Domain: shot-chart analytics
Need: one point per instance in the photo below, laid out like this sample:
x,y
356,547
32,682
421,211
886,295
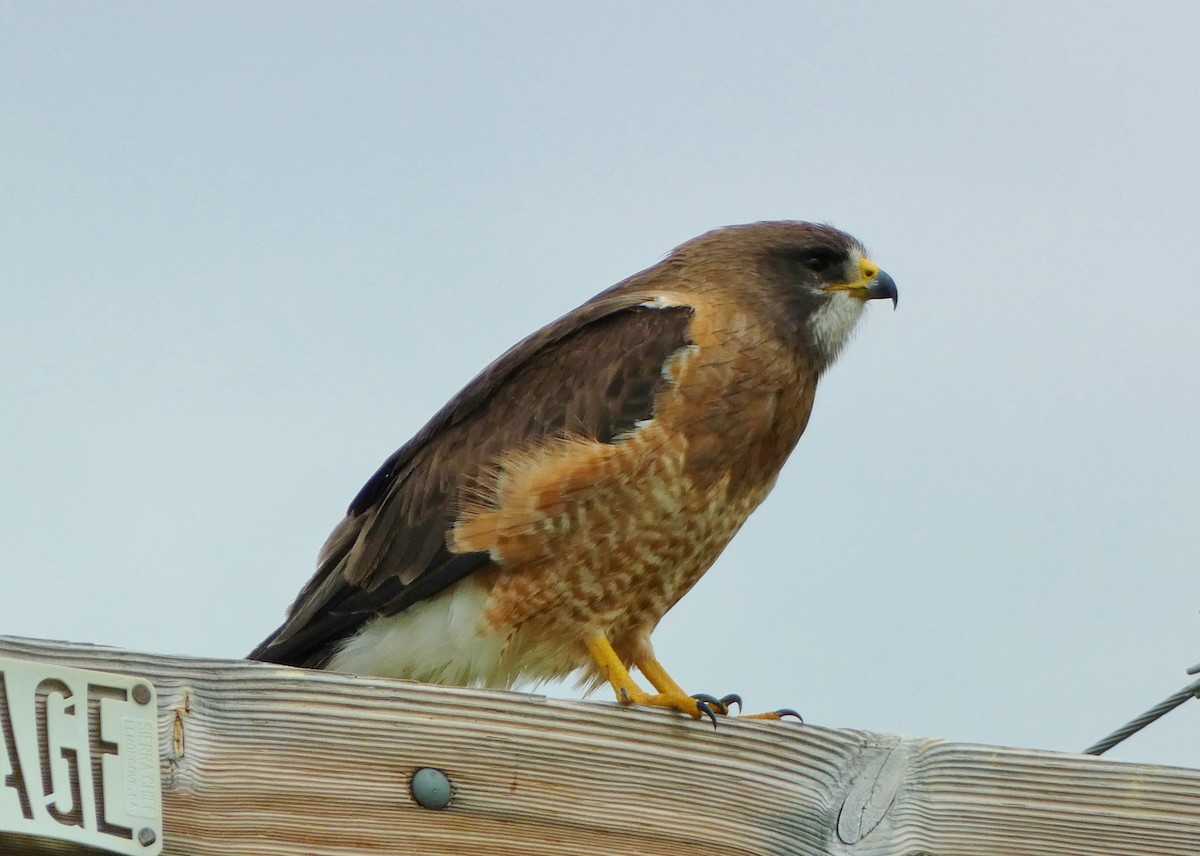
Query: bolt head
x,y
431,788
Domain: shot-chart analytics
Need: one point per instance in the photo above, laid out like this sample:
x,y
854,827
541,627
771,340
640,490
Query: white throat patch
x,y
831,323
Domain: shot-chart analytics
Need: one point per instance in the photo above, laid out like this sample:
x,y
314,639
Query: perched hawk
x,y
550,514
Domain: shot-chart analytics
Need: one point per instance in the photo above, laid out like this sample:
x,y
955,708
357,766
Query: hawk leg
x,y
670,694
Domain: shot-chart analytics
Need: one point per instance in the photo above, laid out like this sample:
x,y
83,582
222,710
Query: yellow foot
x,y
663,682
694,706
670,695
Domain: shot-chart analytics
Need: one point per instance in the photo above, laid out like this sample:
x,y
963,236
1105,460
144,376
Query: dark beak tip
x,y
885,286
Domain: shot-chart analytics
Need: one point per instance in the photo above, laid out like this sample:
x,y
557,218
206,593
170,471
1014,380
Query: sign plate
x,y
79,758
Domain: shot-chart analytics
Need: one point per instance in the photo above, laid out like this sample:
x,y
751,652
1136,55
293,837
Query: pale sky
x,y
248,249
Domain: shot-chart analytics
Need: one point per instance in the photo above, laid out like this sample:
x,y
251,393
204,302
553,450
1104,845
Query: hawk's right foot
x,y
670,694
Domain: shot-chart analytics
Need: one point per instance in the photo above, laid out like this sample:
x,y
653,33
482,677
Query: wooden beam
x,y
259,759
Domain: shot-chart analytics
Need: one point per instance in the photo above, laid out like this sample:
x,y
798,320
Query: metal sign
x,y
78,758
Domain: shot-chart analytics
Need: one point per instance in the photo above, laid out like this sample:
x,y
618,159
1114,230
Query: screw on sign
x,y
78,759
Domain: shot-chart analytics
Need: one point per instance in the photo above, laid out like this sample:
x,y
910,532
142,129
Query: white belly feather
x,y
445,640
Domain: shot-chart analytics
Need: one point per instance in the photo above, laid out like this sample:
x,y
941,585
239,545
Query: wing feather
x,y
595,373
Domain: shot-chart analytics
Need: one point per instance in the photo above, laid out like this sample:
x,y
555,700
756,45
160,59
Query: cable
x,y
1164,707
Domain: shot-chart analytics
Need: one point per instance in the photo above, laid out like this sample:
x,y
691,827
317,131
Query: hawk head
x,y
815,278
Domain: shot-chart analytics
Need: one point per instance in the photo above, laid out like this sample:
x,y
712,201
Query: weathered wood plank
x,y
258,759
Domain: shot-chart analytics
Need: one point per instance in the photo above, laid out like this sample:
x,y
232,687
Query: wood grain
x,y
261,759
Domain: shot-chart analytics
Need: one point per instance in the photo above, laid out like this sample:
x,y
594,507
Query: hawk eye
x,y
819,260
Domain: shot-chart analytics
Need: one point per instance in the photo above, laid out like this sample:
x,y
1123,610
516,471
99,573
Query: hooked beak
x,y
874,284
883,286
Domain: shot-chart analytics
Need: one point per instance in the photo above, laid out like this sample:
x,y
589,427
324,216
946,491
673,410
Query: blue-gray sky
x,y
248,249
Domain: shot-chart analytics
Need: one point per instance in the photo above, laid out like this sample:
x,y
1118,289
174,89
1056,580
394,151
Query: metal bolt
x,y
141,694
146,836
431,788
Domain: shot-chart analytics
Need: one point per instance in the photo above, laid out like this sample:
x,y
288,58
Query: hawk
x,y
544,520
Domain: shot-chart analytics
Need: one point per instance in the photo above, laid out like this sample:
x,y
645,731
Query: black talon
x,y
787,711
732,698
707,711
718,703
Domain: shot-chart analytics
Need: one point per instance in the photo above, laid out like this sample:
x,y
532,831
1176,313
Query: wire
x,y
1161,709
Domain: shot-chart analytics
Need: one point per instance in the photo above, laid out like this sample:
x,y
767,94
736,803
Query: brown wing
x,y
594,373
